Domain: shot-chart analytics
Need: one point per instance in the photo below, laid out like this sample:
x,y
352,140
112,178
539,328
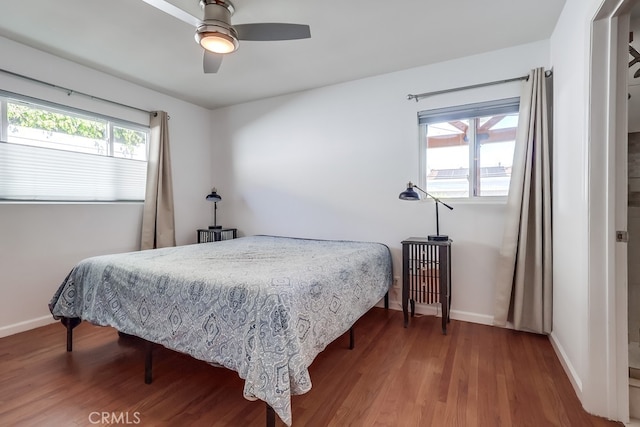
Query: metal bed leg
x,y
352,339
271,416
148,361
70,323
386,300
69,337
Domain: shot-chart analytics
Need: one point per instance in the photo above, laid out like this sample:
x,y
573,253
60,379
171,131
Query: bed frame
x,y
71,322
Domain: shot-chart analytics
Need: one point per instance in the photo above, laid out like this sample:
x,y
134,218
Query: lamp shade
x,y
213,197
409,193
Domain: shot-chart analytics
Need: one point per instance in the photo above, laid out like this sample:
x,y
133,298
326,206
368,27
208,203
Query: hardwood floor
x,y
474,376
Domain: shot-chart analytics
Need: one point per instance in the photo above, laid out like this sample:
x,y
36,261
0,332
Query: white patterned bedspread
x,y
262,306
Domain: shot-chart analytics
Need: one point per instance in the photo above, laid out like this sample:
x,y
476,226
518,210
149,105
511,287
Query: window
x,y
50,152
467,151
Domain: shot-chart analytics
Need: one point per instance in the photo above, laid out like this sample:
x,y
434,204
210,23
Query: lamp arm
x,y
433,197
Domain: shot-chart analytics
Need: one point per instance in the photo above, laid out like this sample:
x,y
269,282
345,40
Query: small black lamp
x,y
411,194
215,198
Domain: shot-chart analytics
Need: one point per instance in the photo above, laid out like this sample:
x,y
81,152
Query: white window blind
x,y
44,174
52,153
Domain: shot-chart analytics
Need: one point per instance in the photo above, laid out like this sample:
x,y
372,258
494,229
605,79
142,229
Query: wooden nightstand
x,y
206,235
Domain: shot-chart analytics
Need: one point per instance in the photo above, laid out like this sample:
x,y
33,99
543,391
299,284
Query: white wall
x,y
330,163
40,242
569,55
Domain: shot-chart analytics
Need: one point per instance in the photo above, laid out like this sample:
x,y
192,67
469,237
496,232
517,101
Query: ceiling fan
x,y
218,37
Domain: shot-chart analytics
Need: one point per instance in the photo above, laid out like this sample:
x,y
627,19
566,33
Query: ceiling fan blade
x,y
174,11
272,31
211,62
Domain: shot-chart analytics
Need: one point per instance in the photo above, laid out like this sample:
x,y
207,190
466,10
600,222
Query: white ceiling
x,y
349,40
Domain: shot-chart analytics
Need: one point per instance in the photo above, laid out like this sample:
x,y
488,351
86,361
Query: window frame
x,y
470,112
7,97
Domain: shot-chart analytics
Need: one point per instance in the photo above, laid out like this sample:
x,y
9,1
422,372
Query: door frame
x,y
606,386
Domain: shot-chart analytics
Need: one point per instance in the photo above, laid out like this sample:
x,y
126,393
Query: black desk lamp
x,y
215,198
411,194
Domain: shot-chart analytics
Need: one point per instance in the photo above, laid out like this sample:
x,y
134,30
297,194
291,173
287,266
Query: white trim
x,y
619,180
482,319
476,200
605,386
598,393
434,310
571,372
27,325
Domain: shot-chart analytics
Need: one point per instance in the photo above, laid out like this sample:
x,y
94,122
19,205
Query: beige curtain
x,y
523,286
158,227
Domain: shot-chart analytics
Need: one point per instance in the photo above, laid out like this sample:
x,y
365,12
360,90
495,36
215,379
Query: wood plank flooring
x,y
474,376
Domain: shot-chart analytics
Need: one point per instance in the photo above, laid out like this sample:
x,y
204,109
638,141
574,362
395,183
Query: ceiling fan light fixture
x,y
218,42
217,38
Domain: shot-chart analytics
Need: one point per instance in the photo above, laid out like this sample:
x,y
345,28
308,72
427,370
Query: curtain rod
x,y
419,96
73,92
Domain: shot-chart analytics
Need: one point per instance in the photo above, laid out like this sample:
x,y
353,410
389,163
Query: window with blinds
x,y
50,152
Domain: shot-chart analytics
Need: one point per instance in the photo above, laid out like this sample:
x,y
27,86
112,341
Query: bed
x,y
263,306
